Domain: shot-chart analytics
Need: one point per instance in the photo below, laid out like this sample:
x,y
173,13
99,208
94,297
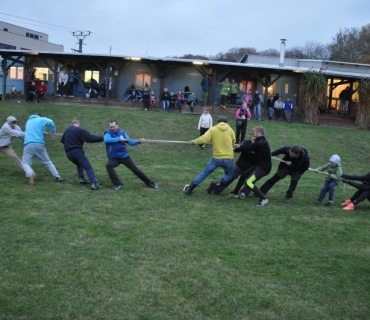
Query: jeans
x,y
257,111
287,114
343,106
77,157
31,151
165,105
271,112
329,186
212,165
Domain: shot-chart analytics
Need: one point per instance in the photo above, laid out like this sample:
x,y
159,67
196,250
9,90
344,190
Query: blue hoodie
x,y
116,149
35,128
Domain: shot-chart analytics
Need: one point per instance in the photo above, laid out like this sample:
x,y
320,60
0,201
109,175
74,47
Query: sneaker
x,y
232,195
262,203
119,187
288,199
152,185
242,195
346,203
350,207
329,203
188,189
317,203
83,181
31,181
58,178
95,186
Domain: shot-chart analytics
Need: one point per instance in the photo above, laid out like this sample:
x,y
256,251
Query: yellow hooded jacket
x,y
222,137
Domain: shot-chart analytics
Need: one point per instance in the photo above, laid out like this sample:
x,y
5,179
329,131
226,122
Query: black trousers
x,y
281,173
128,163
240,132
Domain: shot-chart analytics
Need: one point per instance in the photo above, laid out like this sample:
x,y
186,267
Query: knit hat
x,y
11,119
335,158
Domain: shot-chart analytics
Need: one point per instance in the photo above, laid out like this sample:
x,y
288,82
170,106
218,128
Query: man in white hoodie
x,y
8,131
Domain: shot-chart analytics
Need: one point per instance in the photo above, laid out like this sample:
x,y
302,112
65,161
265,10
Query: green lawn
x,y
67,252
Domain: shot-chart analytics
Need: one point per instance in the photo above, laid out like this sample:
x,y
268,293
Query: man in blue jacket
x,y
73,140
34,146
115,142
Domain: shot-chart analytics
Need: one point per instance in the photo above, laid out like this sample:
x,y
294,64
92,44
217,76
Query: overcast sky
x,y
176,27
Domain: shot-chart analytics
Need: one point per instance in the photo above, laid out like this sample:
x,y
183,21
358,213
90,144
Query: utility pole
x,y
80,35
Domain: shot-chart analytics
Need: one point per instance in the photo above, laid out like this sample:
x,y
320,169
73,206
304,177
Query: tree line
x,y
348,45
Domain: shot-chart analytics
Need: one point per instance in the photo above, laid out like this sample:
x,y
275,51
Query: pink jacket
x,y
247,113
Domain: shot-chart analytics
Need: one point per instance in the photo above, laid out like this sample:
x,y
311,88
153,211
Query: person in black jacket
x,y
73,139
295,162
262,168
246,160
361,194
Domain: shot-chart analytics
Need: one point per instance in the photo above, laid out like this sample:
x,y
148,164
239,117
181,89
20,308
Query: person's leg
x,y
331,188
41,154
243,131
364,194
12,155
259,112
237,134
323,191
27,160
222,186
208,169
228,166
164,106
129,164
295,177
111,164
84,164
271,182
255,112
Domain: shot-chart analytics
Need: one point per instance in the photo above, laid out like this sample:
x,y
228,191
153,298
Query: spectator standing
x,y
288,108
257,105
115,143
165,98
206,87
223,139
225,90
278,106
146,98
76,81
270,107
63,80
242,116
333,171
247,98
41,90
73,139
8,132
205,122
234,89
153,101
344,97
34,146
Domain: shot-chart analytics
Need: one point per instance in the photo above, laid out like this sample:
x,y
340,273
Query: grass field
x,y
67,252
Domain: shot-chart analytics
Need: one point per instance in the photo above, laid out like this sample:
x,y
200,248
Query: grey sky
x,y
177,27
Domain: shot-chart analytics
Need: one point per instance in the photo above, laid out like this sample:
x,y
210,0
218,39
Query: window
x,y
16,73
6,46
27,34
36,37
91,74
142,79
6,29
42,74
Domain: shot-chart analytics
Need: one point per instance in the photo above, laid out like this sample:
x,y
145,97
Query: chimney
x,y
282,52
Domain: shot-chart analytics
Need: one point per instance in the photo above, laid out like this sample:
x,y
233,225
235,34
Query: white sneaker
x,y
186,187
233,196
262,202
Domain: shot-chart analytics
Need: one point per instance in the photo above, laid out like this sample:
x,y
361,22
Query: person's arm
x,y
283,150
200,121
17,132
207,137
90,138
237,114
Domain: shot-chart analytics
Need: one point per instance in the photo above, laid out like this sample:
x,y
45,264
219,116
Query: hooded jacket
x,y
116,149
7,133
222,138
35,129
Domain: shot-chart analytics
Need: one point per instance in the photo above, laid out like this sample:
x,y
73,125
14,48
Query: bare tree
x,y
364,39
234,54
295,52
345,46
316,50
269,52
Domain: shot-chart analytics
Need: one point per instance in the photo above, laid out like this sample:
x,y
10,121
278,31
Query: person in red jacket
x,y
40,91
